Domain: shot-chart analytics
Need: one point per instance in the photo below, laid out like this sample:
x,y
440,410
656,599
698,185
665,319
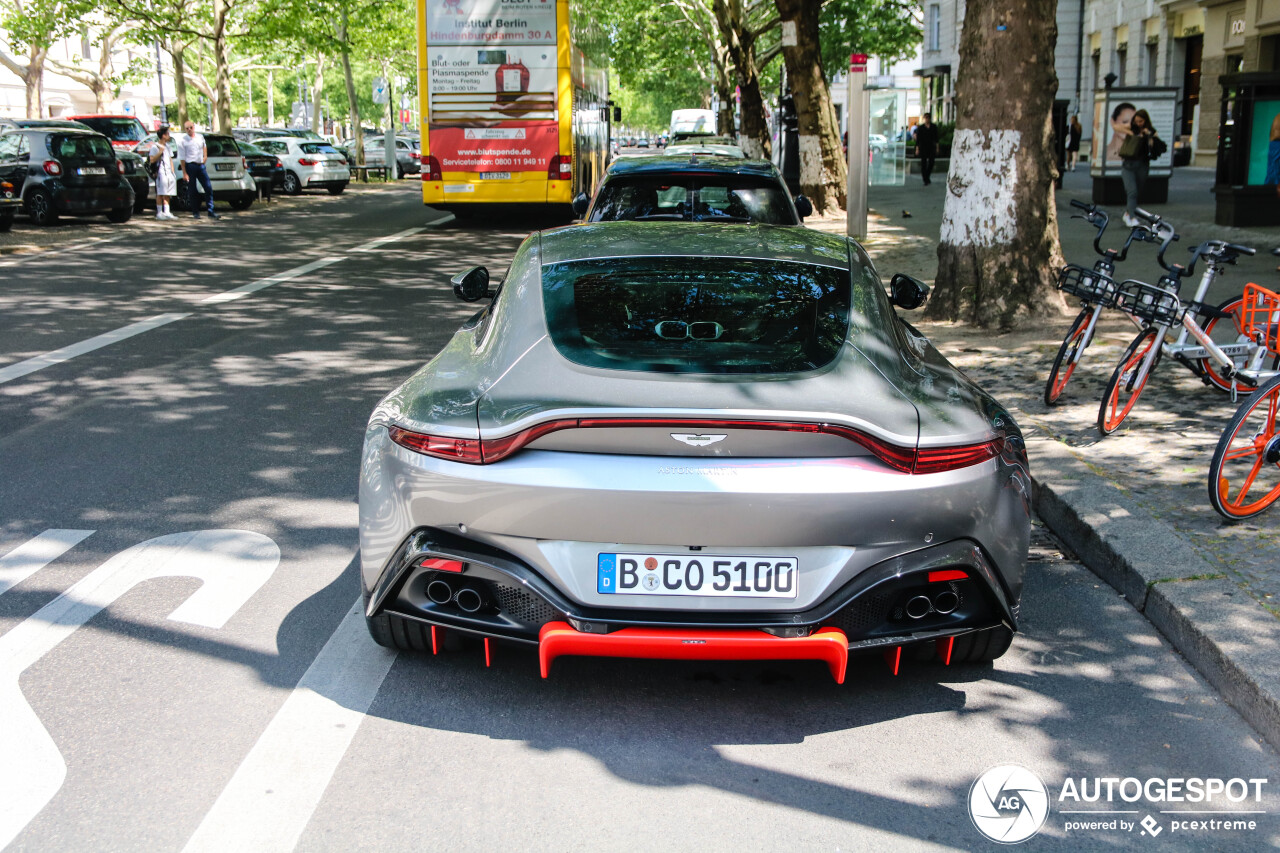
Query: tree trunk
x,y
221,69
34,80
998,249
739,43
822,165
316,85
724,94
177,54
353,105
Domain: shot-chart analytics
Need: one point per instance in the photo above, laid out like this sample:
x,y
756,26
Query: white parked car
x,y
308,164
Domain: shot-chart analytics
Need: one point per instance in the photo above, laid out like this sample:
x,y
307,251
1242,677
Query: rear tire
x,y
40,205
1064,364
1247,457
401,634
1122,390
337,190
6,218
241,203
121,214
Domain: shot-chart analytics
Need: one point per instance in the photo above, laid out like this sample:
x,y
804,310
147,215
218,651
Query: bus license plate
x,y
699,574
495,176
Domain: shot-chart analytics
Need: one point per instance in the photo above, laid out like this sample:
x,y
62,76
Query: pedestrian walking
x,y
1135,161
1074,132
193,154
160,160
927,146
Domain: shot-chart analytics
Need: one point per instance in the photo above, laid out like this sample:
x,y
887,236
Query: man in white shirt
x,y
192,154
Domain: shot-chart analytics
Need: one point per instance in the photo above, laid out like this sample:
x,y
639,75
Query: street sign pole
x,y
858,128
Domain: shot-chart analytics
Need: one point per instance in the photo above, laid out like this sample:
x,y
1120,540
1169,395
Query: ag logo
x,y
1008,804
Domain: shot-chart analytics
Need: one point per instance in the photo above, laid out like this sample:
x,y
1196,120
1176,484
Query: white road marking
x,y
263,283
33,555
272,795
233,564
40,362
390,238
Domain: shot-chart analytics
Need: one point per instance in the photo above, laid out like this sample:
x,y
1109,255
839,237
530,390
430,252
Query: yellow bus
x,y
514,99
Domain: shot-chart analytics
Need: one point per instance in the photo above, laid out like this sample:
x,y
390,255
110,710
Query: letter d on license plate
x,y
701,574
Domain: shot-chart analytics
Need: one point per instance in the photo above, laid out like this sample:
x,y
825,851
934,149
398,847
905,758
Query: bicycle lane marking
x,y
34,554
233,565
64,354
274,792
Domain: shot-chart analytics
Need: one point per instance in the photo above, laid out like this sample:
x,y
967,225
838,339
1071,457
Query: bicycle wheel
x,y
1244,477
1065,362
1224,330
1126,382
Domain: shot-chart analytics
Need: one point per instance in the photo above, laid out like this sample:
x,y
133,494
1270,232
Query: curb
x,y
1231,640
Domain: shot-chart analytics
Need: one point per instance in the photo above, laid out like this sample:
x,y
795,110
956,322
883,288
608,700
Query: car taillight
x,y
442,447
307,161
432,171
244,163
415,155
342,162
906,460
120,166
52,167
279,165
560,168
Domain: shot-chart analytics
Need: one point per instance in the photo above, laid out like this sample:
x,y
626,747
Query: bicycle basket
x,y
1261,316
1151,303
1089,285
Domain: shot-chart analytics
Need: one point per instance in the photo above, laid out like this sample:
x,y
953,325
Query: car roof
x,y
105,115
691,165
625,239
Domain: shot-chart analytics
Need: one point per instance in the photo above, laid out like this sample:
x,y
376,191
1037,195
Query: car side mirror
x,y
472,285
908,293
804,207
580,204
617,113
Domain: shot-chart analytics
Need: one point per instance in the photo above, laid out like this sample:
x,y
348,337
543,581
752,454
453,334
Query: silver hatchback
x,y
700,441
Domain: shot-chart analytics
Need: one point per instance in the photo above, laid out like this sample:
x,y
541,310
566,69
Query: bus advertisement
x,y
514,100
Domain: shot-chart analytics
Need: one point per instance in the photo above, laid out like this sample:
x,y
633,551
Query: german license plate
x,y
92,170
495,176
697,574
224,167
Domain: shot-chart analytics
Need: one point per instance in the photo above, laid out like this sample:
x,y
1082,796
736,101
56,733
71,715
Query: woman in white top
x,y
166,180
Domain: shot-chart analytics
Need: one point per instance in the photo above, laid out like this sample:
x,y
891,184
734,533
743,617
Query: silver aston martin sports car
x,y
677,440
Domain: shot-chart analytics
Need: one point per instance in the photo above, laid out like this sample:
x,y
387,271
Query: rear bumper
x,y
90,199
869,614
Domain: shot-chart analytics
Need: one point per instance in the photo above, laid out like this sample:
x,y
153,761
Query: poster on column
x,y
1113,110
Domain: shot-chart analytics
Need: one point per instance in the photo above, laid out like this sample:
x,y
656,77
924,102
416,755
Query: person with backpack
x,y
1137,151
160,167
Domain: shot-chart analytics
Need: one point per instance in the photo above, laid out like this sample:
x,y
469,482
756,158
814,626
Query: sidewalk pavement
x,y
1133,506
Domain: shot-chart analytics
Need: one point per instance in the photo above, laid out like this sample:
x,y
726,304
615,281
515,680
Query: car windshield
x,y
317,148
117,129
221,146
82,146
719,198
709,315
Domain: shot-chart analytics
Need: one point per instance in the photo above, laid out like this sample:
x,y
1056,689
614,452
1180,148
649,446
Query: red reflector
x,y
932,460
441,565
947,575
441,447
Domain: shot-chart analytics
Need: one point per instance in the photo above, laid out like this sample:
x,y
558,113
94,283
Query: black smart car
x,y
65,171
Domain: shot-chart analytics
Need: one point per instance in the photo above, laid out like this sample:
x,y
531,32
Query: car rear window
x,y
728,198
117,129
317,148
704,315
221,146
81,147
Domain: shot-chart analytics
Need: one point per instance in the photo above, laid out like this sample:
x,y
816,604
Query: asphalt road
x,y
181,668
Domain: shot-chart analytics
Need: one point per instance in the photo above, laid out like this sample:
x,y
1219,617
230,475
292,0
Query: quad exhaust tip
x,y
468,599
440,592
919,606
945,602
